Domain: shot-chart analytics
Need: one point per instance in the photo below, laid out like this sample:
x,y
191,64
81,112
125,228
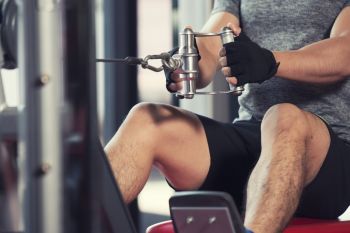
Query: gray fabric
x,y
229,6
289,25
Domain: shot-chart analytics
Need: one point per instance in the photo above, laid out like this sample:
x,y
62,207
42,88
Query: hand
x,y
173,81
244,61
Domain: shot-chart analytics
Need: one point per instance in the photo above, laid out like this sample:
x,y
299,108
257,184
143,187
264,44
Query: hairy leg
x,y
294,146
169,138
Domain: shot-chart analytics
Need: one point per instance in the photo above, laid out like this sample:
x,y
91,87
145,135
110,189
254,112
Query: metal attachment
x,y
44,169
164,57
44,79
188,58
189,219
212,220
185,61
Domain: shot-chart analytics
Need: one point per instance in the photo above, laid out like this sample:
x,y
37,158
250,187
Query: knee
x,y
143,116
140,117
150,115
286,118
142,110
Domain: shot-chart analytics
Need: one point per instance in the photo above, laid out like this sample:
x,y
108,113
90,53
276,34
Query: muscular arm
x,y
209,47
325,61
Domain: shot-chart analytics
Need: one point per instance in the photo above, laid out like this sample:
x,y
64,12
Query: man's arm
x,y
209,46
325,61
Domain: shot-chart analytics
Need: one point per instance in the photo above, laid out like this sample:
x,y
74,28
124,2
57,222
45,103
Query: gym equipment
x,y
65,183
185,62
204,211
212,212
8,34
298,225
10,214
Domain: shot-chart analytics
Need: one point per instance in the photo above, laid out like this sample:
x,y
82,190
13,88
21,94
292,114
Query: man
x,y
292,137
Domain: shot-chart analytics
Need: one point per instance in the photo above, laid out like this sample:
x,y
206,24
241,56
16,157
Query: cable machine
x,y
65,181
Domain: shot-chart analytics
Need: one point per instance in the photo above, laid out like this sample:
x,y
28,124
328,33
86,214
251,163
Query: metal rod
x,y
110,60
40,70
66,176
2,95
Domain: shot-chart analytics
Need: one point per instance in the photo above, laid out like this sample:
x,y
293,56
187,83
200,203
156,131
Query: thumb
x,y
235,28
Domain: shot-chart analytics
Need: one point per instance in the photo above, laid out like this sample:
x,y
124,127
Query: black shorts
x,y
235,149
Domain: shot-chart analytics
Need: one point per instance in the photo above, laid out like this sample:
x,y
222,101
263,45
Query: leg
x,y
294,146
167,137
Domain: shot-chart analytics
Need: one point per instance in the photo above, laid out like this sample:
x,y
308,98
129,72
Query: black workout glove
x,y
168,73
248,62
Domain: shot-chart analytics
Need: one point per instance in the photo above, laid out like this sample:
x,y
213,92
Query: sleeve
x,y
347,3
231,6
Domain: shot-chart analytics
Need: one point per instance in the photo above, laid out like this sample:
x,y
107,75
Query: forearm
x,y
209,46
208,62
326,61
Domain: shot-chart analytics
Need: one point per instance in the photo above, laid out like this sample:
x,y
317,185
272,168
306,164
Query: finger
x,y
177,83
177,80
237,70
178,71
223,61
226,71
232,53
235,28
175,76
179,86
232,80
222,52
173,87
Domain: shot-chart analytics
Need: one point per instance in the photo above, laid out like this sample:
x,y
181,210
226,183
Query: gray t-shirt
x,y
290,25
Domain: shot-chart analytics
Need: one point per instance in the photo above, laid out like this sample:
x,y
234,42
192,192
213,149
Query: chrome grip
x,y
227,36
186,62
189,67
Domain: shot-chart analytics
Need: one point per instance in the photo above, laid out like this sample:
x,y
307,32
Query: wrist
x,y
278,57
284,58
